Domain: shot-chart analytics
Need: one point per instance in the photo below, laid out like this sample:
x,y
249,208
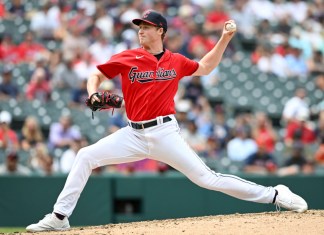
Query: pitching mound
x,y
311,222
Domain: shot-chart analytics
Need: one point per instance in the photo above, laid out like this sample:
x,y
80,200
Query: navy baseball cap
x,y
154,18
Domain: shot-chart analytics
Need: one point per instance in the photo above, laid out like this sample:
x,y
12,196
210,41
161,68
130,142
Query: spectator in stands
x,y
195,140
216,17
13,167
298,10
183,22
269,62
298,130
258,53
202,113
7,88
263,132
41,161
38,87
101,49
261,9
220,129
213,148
295,105
244,121
296,162
8,137
241,146
3,11
55,59
182,108
176,43
45,22
244,20
284,24
319,153
64,76
263,59
29,49
75,43
104,21
81,20
85,66
283,47
31,133
17,9
279,64
130,11
42,63
193,89
264,31
200,44
315,64
316,10
296,63
79,95
300,38
9,52
68,156
260,162
62,133
128,40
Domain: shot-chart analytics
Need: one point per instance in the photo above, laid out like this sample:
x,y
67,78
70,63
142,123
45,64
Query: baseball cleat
x,y
49,223
288,200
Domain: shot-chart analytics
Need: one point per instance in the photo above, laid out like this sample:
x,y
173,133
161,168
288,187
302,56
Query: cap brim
x,y
138,21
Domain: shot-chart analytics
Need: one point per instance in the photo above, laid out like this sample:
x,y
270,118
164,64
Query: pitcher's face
x,y
149,34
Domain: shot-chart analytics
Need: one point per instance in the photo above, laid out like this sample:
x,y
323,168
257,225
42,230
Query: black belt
x,y
148,124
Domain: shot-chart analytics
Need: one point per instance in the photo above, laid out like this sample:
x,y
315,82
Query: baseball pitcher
x,y
150,77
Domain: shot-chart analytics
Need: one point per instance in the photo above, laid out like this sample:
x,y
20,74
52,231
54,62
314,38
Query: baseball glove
x,y
107,101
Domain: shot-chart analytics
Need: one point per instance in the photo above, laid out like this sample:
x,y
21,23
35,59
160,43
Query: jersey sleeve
x,y
112,67
188,67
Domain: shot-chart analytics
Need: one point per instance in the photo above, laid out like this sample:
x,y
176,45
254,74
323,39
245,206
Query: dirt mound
x,y
311,222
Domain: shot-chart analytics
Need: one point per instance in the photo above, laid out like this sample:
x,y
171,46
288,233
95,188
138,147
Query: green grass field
x,y
11,230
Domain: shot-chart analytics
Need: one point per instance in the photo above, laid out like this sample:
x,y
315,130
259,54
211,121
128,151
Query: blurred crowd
x,y
61,42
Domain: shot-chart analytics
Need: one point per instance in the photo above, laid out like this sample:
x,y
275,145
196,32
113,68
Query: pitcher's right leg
x,y
121,147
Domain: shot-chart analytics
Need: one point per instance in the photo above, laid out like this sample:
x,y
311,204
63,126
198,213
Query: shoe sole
x,y
47,230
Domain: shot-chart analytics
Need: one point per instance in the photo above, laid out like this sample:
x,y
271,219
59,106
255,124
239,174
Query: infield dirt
x,y
283,223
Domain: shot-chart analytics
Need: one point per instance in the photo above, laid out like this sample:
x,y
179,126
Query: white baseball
x,y
230,26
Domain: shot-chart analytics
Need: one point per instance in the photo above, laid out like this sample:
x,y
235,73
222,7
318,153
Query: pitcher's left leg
x,y
170,148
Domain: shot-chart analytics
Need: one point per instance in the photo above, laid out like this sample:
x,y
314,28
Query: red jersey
x,y
28,51
265,139
307,135
149,85
8,137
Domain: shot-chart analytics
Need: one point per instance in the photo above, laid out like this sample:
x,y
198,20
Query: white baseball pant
x,y
164,143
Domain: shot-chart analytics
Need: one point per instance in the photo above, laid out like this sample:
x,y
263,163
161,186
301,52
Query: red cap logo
x,y
145,14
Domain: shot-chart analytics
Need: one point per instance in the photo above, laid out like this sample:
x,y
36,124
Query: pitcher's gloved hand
x,y
106,101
